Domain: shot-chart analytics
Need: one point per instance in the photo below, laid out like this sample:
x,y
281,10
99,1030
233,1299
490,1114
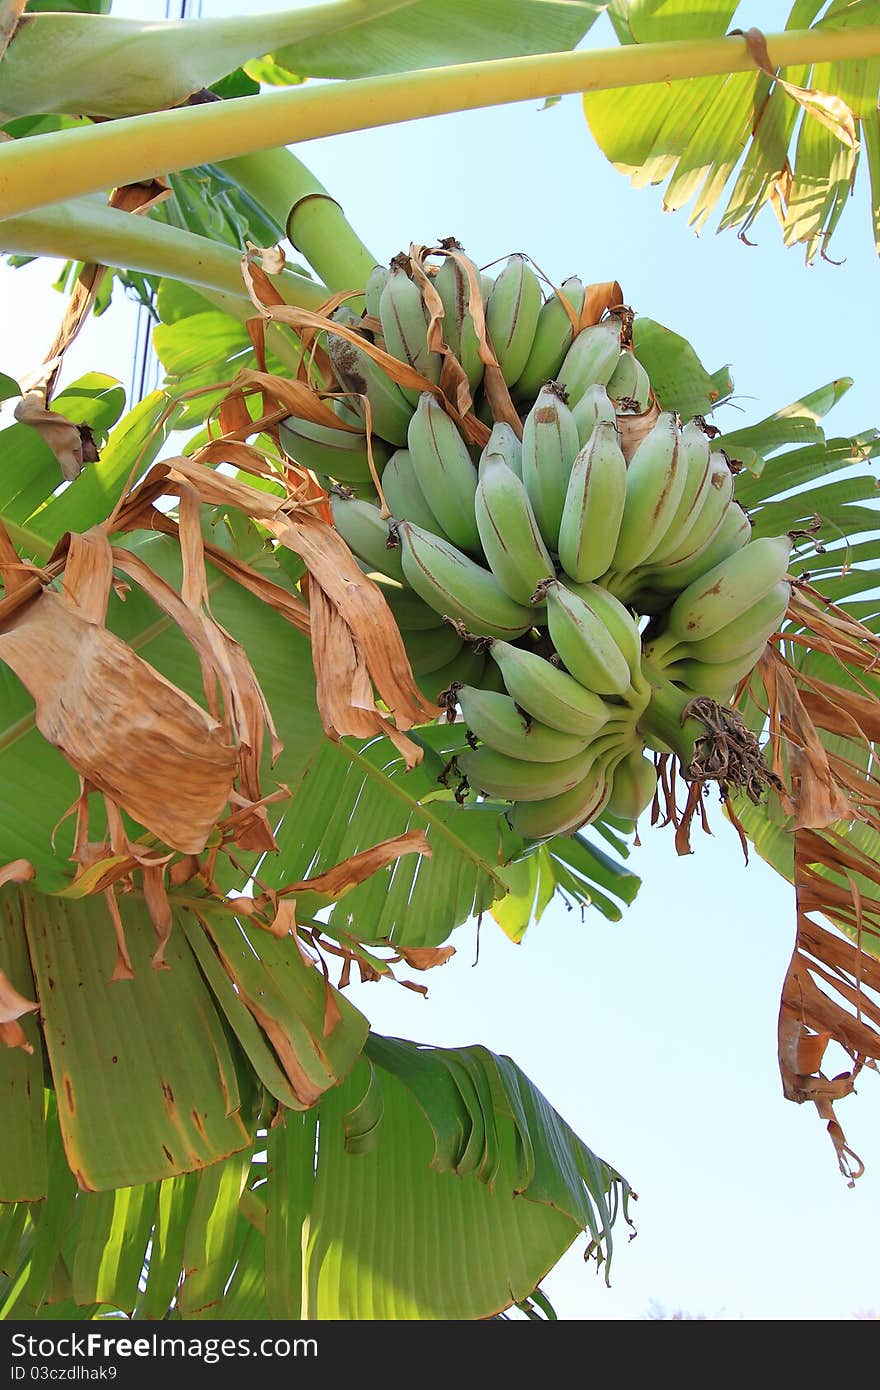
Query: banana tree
x,y
231,649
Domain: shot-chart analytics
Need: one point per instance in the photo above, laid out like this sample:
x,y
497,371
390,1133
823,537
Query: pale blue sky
x,y
654,1037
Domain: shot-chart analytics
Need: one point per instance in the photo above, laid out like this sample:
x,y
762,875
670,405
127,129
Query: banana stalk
x,y
312,218
661,724
87,229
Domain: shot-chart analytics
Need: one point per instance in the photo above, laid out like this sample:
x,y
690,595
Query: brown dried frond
x,y
831,990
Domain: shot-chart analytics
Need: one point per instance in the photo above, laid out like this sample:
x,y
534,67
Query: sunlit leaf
x,y
789,140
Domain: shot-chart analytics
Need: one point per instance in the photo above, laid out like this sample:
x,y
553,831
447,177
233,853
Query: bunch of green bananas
x,y
519,572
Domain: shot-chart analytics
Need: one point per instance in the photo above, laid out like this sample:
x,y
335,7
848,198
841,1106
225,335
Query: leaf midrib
x,y
392,786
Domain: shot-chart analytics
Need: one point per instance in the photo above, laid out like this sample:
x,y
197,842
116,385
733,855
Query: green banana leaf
x,y
69,6
353,796
432,1184
743,134
165,63
678,379
234,1008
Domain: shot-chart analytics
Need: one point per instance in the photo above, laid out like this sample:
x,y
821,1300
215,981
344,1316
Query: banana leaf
x,y
433,1183
111,67
792,145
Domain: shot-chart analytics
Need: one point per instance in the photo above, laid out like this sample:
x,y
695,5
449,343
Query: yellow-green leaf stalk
x,y
51,168
314,221
86,229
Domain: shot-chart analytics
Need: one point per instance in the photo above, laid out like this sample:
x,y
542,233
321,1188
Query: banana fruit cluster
x,y
520,571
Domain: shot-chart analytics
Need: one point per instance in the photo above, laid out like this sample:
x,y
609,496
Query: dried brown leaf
x,y
840,711
336,882
12,1004
296,397
125,728
634,428
140,197
123,969
243,456
159,908
272,257
284,922
598,299
305,320
63,437
815,797
16,871
425,957
453,379
810,1016
829,110
11,12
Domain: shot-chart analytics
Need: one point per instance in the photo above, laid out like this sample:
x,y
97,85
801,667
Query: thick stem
x,y
110,67
65,164
314,221
661,721
88,230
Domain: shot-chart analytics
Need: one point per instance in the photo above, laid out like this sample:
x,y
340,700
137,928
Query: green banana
x,y
411,613
551,695
483,410
549,445
512,543
431,649
553,337
717,679
591,359
632,786
514,779
695,460
593,507
376,282
705,521
338,453
563,814
467,668
652,588
723,593
445,471
512,316
619,621
629,382
497,721
758,622
492,679
503,443
654,484
459,333
456,587
594,405
350,412
362,528
584,643
755,625
355,371
404,496
405,328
